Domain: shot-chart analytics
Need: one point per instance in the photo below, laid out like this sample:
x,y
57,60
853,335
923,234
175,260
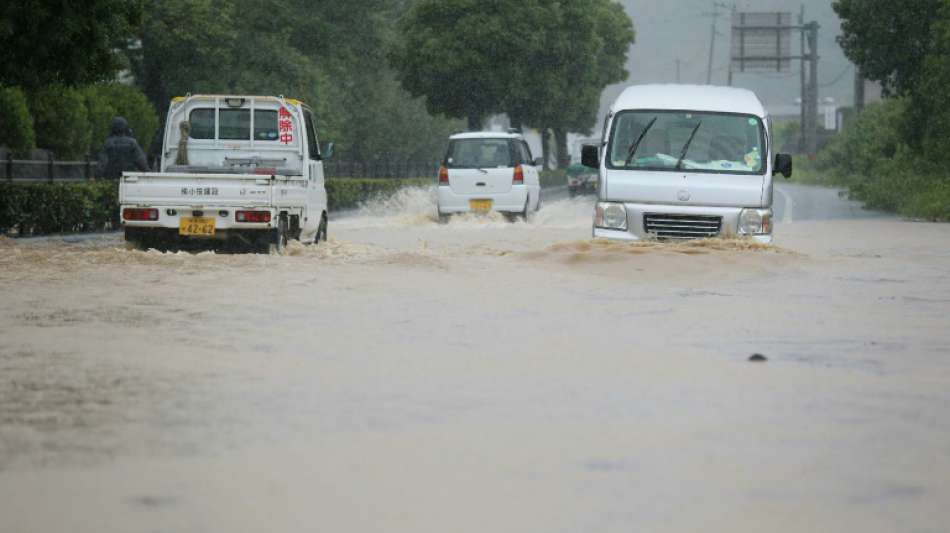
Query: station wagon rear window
x,y
688,141
480,153
235,125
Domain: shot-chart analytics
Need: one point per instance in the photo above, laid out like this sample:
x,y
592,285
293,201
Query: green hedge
x,y
45,208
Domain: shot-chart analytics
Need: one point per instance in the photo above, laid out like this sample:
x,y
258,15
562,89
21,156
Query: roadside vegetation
x,y
895,155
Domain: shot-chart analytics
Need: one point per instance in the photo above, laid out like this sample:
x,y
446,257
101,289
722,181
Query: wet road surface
x,y
483,376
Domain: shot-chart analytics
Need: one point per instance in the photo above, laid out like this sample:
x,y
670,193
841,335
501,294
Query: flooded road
x,y
482,376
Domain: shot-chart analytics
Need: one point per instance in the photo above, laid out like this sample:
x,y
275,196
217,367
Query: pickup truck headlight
x,y
755,222
610,216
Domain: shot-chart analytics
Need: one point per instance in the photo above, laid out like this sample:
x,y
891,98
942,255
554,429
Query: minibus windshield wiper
x,y
636,145
679,162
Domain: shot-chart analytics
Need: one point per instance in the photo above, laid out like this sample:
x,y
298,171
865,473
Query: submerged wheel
x,y
279,241
321,231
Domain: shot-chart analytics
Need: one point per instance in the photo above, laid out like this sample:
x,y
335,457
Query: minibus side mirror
x,y
783,165
590,156
328,151
538,162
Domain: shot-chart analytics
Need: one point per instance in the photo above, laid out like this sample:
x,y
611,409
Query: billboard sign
x,y
762,42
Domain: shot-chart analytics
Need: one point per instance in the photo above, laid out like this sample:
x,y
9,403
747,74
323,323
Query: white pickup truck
x,y
245,170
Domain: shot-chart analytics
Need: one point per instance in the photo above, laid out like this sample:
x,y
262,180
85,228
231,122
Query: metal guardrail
x,y
50,170
46,170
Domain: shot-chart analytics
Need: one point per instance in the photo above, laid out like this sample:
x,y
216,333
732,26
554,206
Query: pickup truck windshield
x,y
724,144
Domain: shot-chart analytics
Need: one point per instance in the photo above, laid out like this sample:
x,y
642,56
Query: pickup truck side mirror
x,y
328,151
783,165
590,156
538,162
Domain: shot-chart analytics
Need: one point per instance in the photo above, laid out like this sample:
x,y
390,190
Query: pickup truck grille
x,y
682,226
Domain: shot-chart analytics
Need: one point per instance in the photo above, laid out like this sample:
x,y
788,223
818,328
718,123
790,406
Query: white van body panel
x,y
685,192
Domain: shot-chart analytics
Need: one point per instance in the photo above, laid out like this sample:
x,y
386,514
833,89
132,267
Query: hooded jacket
x,y
121,152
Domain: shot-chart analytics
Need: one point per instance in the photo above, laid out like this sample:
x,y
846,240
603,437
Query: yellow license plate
x,y
196,226
480,205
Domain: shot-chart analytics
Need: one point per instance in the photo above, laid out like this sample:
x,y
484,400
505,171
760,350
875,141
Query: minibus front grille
x,y
682,226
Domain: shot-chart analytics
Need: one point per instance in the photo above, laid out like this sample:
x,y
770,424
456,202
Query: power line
x,y
838,78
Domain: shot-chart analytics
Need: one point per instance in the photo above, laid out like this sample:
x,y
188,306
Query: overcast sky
x,y
668,30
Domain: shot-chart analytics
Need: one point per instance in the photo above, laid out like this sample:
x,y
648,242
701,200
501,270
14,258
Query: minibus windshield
x,y
674,141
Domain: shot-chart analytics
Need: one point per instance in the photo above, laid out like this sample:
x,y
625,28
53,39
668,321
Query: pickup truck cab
x,y
685,162
242,169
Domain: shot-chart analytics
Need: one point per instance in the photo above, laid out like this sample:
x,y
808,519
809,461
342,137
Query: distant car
x,y
489,171
581,180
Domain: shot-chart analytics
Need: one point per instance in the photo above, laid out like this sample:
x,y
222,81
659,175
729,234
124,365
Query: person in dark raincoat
x,y
121,152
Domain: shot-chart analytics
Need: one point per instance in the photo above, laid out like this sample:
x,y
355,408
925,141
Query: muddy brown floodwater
x,y
480,376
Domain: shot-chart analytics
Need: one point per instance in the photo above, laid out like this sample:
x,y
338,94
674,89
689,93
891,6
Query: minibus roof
x,y
690,98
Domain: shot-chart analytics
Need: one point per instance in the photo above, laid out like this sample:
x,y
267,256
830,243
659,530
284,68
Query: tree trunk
x,y
560,140
545,148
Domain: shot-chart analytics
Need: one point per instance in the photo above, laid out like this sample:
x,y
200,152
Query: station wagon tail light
x,y
519,176
443,176
140,214
253,217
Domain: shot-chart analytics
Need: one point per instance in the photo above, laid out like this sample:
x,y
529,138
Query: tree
x,y
186,48
889,40
544,62
905,46
464,55
583,48
107,100
17,132
327,53
61,120
45,42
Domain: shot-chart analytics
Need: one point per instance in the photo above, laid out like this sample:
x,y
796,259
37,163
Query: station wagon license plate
x,y
480,205
196,226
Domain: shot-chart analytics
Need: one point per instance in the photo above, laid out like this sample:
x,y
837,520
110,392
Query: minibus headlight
x,y
755,222
611,216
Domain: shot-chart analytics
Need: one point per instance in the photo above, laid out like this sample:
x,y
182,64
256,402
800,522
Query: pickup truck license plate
x,y
480,205
196,226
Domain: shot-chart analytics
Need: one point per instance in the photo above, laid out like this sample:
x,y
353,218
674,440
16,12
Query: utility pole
x,y
678,63
712,38
811,144
735,11
802,120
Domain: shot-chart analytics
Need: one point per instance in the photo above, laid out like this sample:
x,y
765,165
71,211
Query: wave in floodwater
x,y
56,256
697,247
418,206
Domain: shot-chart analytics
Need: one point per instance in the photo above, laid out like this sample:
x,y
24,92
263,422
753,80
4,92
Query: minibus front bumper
x,y
633,222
